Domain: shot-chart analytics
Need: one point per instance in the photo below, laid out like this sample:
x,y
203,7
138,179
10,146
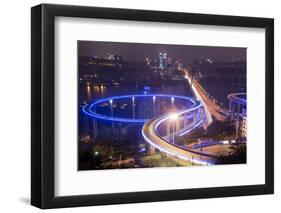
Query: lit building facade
x,y
238,113
161,66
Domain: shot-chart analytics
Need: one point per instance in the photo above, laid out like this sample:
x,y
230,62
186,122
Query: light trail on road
x,y
149,130
208,115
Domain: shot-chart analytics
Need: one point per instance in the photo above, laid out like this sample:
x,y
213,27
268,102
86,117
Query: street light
x,y
111,101
154,109
133,105
111,112
172,100
111,107
173,117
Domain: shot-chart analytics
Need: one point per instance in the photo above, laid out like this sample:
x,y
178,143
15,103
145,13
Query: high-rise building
x,y
178,65
165,60
161,66
170,61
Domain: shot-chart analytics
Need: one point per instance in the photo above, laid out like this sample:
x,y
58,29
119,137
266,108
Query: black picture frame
x,y
43,102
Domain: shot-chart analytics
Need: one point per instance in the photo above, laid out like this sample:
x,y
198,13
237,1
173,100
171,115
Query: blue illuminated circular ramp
x,y
150,128
239,98
89,109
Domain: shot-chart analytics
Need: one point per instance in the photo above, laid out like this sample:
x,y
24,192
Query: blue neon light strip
x,y
88,108
236,97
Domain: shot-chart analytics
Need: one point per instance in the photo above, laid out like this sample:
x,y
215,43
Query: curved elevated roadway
x,y
149,130
150,134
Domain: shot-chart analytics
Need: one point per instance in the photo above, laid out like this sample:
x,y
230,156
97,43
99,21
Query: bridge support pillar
x,y
184,120
168,128
233,108
194,118
177,125
172,101
95,129
152,150
133,107
237,120
173,133
154,105
230,105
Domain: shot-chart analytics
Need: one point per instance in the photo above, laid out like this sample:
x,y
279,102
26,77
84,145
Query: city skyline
x,y
186,53
149,105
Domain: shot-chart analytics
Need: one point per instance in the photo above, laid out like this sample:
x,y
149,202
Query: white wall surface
x,y
15,105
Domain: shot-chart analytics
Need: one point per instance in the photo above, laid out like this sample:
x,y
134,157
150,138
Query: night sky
x,y
186,53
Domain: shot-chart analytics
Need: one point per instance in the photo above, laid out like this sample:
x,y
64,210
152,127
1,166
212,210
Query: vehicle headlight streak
x,y
166,117
88,109
198,96
194,160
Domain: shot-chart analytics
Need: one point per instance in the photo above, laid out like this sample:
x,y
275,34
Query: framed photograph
x,y
139,106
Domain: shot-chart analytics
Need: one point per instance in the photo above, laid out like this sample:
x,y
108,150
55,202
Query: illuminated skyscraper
x,y
161,61
165,60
